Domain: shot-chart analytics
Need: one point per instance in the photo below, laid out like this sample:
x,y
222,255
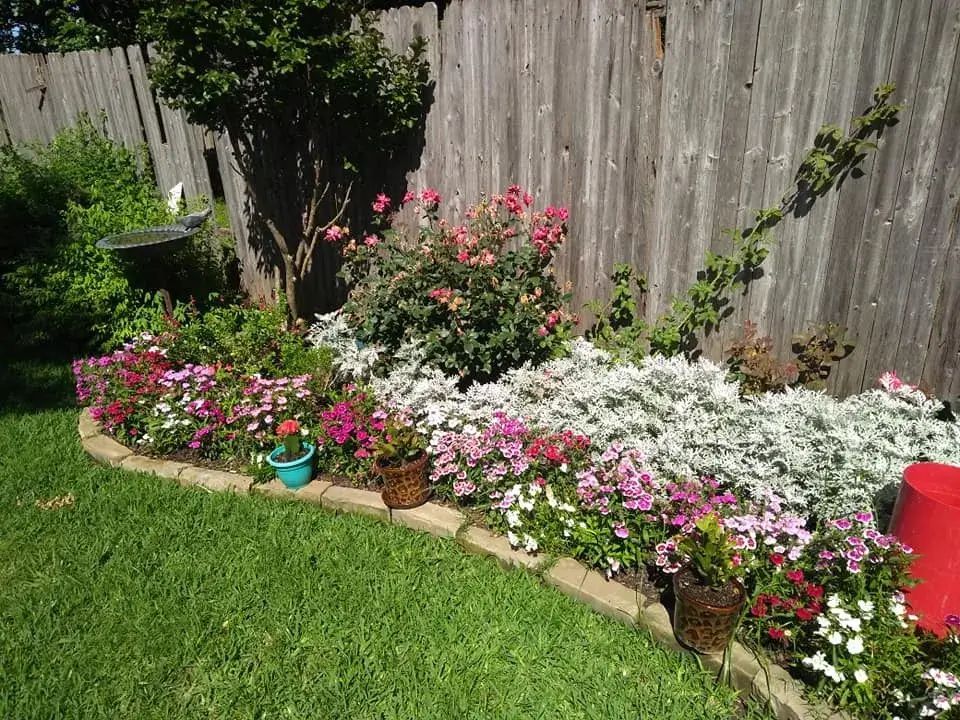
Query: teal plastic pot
x,y
297,473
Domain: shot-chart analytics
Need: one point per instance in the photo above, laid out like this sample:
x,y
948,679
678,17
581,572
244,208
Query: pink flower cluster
x,y
849,542
619,480
488,457
264,400
347,424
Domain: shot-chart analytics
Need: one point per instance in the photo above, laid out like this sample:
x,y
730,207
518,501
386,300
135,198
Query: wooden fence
x,y
43,94
657,139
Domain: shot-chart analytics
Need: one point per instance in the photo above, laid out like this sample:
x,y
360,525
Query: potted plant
x,y
708,590
401,461
293,459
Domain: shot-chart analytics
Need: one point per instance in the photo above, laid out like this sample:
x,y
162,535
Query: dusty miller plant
x,y
823,455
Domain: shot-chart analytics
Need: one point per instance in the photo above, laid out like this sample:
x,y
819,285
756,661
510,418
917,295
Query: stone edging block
x,y
215,480
354,500
153,466
106,450
438,520
87,426
768,683
481,542
775,685
312,492
610,598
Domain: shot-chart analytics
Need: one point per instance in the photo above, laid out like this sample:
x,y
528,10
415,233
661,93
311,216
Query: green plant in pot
x,y
708,588
401,461
293,458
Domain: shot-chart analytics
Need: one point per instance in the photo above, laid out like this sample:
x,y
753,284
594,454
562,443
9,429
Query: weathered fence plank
x,y
906,252
881,201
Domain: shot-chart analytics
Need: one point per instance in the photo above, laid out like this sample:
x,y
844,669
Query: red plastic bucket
x,y
927,517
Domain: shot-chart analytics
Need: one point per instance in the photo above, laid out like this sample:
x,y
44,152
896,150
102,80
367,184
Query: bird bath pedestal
x,y
146,247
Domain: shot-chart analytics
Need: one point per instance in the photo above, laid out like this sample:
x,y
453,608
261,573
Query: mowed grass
x,y
146,600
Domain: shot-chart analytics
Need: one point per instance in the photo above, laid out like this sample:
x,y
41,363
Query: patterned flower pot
x,y
296,473
704,619
404,486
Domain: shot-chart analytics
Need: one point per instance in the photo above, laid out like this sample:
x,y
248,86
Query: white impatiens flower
x,y
817,662
835,638
833,601
530,543
855,645
851,623
860,675
866,608
513,520
831,672
512,538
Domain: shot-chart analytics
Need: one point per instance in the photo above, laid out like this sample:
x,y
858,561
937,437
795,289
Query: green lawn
x,y
145,600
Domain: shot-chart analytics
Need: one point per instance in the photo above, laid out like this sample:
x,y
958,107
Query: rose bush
x,y
480,298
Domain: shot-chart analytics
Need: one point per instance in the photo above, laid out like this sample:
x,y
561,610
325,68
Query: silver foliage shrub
x,y
823,455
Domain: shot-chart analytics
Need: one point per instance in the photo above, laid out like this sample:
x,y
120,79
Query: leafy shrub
x,y
755,366
252,339
57,202
480,298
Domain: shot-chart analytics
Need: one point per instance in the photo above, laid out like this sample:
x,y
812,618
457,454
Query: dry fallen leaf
x,y
56,503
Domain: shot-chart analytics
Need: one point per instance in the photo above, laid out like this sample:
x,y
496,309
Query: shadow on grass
x,y
40,380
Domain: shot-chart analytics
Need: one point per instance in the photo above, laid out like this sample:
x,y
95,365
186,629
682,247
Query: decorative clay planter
x,y
297,473
404,486
699,625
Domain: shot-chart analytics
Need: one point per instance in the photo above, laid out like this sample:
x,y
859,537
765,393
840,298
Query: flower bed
x,y
611,463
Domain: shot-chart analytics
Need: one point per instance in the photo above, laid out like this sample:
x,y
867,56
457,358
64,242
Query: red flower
x,y
795,576
776,633
814,591
804,615
288,427
759,608
777,559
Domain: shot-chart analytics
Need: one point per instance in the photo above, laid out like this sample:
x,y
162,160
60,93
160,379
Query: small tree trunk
x,y
291,289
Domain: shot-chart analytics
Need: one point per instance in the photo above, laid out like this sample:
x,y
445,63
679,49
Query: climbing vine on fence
x,y
620,326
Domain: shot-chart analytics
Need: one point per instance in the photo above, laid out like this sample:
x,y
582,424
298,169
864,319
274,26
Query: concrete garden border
x,y
764,681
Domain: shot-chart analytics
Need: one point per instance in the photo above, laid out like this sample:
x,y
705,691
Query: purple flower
x,y
620,530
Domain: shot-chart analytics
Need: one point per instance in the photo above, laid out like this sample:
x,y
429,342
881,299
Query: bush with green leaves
x,y
251,338
309,95
480,298
55,203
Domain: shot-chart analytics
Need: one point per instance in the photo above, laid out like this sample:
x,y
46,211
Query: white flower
x,y
513,520
564,467
817,662
512,539
855,645
866,608
835,638
831,672
851,623
860,675
534,489
525,503
833,601
551,498
530,544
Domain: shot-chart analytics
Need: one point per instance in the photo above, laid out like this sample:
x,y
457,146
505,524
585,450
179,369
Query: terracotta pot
x,y
699,625
404,486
